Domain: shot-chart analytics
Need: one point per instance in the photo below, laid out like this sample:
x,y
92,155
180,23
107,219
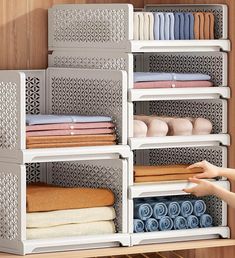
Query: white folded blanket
x,y
62,217
71,230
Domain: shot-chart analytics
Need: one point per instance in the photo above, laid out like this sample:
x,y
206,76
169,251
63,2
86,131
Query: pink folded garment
x,y
172,84
70,126
70,132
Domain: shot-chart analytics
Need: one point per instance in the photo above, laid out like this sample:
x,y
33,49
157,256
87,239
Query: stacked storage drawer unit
x,y
91,65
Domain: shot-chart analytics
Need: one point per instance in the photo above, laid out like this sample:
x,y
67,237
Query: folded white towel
x,y
62,217
148,26
93,228
139,26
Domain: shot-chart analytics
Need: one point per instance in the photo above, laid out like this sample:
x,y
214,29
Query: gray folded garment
x,y
158,76
56,119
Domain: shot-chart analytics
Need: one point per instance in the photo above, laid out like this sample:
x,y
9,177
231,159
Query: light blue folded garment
x,y
138,225
199,207
180,223
179,26
169,26
159,26
188,26
186,208
58,119
173,209
193,221
159,209
142,211
165,223
156,76
206,221
151,225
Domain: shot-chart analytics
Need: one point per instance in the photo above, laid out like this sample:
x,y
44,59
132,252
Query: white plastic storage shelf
x,y
110,174
216,155
214,110
66,91
215,207
110,27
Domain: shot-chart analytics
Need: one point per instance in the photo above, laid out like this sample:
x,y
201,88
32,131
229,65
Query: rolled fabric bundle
x,y
159,25
199,25
142,211
199,207
192,221
148,26
169,26
173,209
209,25
186,208
140,129
180,126
201,126
188,26
180,223
151,225
165,223
179,26
206,221
157,128
138,225
159,209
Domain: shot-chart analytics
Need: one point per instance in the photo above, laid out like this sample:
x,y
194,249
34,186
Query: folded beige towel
x,y
63,217
148,26
71,230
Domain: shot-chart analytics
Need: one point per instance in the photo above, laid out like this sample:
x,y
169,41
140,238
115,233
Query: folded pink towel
x,y
70,126
172,84
70,132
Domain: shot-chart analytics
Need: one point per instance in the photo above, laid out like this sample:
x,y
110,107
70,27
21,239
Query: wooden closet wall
x,y
23,45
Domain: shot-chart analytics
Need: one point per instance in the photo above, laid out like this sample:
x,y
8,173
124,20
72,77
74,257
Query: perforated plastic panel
x,y
89,92
89,25
35,91
11,106
219,11
213,64
214,110
92,174
215,155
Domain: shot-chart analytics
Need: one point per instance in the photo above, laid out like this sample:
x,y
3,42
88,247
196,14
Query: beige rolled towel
x,y
201,126
157,128
140,129
74,216
72,230
180,127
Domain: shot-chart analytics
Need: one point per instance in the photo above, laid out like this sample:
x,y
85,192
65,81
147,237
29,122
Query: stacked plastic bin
x,y
92,46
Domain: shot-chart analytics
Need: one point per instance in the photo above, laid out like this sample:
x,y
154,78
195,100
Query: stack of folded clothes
x,y
54,211
161,214
173,26
155,126
163,173
150,80
50,131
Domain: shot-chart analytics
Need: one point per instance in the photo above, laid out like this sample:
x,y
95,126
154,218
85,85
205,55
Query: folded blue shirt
x,y
148,76
58,119
159,26
188,26
179,26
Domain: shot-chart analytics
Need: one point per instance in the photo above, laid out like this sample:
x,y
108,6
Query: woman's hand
x,y
203,187
209,170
